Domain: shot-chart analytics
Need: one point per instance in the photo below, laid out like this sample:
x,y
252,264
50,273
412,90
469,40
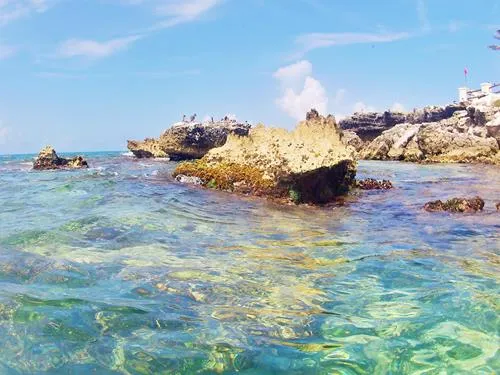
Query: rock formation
x,y
149,148
372,184
370,125
350,138
48,159
308,165
469,135
188,140
466,205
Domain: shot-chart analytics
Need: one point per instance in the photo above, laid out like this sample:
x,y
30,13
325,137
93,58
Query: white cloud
x,y
311,41
398,107
339,96
94,49
6,51
293,76
12,10
175,12
310,94
363,108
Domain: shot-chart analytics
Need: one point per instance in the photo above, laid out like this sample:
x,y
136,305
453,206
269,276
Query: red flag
x,y
466,71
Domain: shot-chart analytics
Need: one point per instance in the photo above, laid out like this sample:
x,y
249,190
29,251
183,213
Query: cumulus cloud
x,y
363,108
293,73
94,49
339,96
300,91
398,107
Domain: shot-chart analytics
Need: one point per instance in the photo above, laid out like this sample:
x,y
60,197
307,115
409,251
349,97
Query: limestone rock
x,y
371,124
188,140
456,205
310,164
391,144
149,148
467,136
350,138
48,159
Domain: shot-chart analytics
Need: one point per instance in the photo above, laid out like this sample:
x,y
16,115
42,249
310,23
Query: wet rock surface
x,y
372,184
465,205
308,165
188,140
48,159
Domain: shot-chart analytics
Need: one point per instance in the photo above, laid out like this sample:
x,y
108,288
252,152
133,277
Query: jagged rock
x,y
350,138
308,165
188,140
370,125
391,144
372,184
493,127
149,148
456,205
48,159
464,137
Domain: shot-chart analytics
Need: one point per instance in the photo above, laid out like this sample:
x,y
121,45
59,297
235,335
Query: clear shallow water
x,y
119,270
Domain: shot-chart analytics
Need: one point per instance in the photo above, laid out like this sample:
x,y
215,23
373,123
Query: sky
x,y
86,75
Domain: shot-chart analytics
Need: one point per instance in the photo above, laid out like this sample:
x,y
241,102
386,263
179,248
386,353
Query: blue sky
x,y
88,75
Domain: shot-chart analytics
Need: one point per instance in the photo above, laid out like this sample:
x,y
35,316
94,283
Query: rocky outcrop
x,y
350,138
466,205
48,159
149,148
188,140
310,164
370,125
464,137
372,184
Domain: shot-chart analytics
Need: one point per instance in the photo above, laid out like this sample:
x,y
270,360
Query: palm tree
x,y
496,47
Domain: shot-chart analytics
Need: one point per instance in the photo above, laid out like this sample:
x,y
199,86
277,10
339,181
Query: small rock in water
x,y
372,184
48,159
183,179
456,205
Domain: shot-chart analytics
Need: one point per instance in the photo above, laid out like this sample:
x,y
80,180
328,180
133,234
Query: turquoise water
x,y
119,270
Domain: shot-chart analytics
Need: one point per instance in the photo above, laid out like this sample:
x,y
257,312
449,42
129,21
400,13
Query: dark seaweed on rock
x,y
466,205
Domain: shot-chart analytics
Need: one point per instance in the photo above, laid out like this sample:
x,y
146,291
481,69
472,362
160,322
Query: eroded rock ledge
x,y
188,140
310,164
370,125
468,135
48,159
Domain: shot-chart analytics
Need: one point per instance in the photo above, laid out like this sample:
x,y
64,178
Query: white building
x,y
483,96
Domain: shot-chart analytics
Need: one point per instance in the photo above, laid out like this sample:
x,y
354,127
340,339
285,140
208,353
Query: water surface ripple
x,y
120,270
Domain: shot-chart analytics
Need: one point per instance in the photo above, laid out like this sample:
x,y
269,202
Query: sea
x,y
118,269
